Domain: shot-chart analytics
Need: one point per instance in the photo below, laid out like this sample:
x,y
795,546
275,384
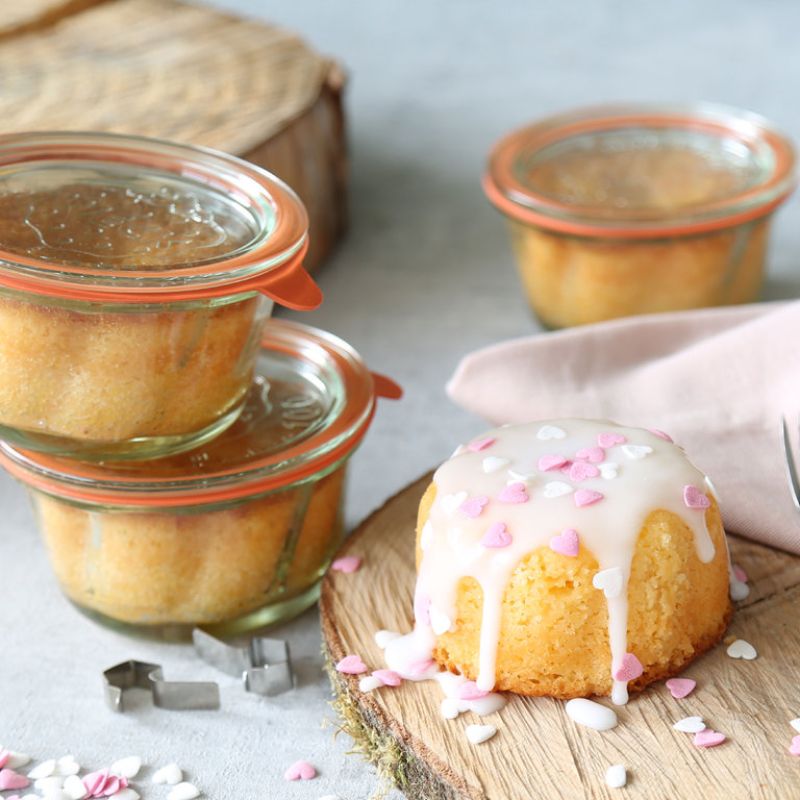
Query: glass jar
x,y
135,277
233,535
624,210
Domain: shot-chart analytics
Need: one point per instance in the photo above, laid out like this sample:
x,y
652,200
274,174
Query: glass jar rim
x,y
276,250
330,359
510,194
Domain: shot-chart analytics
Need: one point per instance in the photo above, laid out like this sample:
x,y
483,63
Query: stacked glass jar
x,y
186,460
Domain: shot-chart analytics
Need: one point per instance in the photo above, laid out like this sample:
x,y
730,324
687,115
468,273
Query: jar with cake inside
x,y
135,279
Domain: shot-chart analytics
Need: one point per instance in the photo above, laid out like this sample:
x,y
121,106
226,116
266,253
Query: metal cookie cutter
x,y
174,695
264,664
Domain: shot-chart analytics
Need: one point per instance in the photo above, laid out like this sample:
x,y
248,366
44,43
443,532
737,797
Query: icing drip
x,y
593,477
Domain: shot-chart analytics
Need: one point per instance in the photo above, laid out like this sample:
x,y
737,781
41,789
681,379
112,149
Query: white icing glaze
x,y
648,473
591,715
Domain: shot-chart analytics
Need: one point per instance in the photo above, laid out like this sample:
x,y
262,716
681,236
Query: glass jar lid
x,y
641,171
112,218
310,404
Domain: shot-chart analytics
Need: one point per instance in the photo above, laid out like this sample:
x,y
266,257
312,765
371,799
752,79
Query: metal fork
x,y
791,465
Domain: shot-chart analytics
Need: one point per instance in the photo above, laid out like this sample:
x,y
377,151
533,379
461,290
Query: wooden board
x,y
191,74
538,752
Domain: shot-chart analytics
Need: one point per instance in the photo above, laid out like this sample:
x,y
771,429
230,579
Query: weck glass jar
x,y
230,536
635,209
135,277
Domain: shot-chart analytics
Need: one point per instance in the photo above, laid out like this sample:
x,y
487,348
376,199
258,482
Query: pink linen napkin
x,y
717,380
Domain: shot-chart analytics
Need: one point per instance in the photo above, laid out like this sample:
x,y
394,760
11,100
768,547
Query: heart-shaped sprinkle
x,y
50,785
95,782
520,477
741,649
12,780
351,665
566,543
126,794
470,691
17,760
581,470
556,489
591,714
382,638
547,432
43,770
113,785
694,498
739,573
491,464
388,677
73,787
184,791
496,536
795,723
606,440
473,506
708,738
440,623
346,564
5,757
171,774
551,461
300,771
616,776
513,493
794,747
690,725
426,536
477,734
681,687
481,444
67,765
587,497
610,581
594,455
369,683
452,502
127,767
608,470
661,435
636,452
630,668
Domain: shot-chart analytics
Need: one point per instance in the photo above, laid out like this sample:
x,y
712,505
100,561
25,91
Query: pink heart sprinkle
x,y
566,543
595,455
566,468
420,667
708,738
473,506
5,755
694,498
113,785
794,748
300,771
481,444
470,691
514,493
388,677
585,497
610,439
551,461
681,687
95,781
581,470
346,564
496,536
630,668
351,665
12,780
738,573
661,435
422,609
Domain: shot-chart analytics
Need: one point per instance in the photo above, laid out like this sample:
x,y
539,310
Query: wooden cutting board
x,y
538,752
187,73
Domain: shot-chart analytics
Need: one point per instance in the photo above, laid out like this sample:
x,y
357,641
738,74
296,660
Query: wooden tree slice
x,y
166,69
538,752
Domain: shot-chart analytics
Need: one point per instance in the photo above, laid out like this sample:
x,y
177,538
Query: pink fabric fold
x,y
717,380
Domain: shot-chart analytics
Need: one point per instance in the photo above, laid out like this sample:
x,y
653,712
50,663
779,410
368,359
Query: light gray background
x,y
424,276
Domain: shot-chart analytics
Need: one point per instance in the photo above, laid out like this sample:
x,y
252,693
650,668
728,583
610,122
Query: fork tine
x,y
791,465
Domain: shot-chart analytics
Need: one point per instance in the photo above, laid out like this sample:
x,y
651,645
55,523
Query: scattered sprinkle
x,y
477,734
388,677
556,489
741,649
606,440
127,767
708,738
300,771
346,564
616,775
351,665
514,493
12,780
369,683
496,536
481,444
581,470
610,581
452,502
587,497
694,498
74,788
491,464
661,435
590,714
183,791
473,506
594,455
550,432
795,723
171,774
681,687
630,668
567,543
794,747
636,452
43,770
690,725
126,794
608,470
551,461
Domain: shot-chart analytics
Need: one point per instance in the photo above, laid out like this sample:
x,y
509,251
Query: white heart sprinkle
x,y
616,776
73,786
741,649
556,489
171,774
520,477
690,725
126,794
440,622
31,797
451,502
382,638
592,715
550,432
67,765
610,581
426,536
449,708
127,767
636,451
795,723
43,770
608,470
184,791
50,785
369,683
17,760
330,797
477,734
493,463
55,794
